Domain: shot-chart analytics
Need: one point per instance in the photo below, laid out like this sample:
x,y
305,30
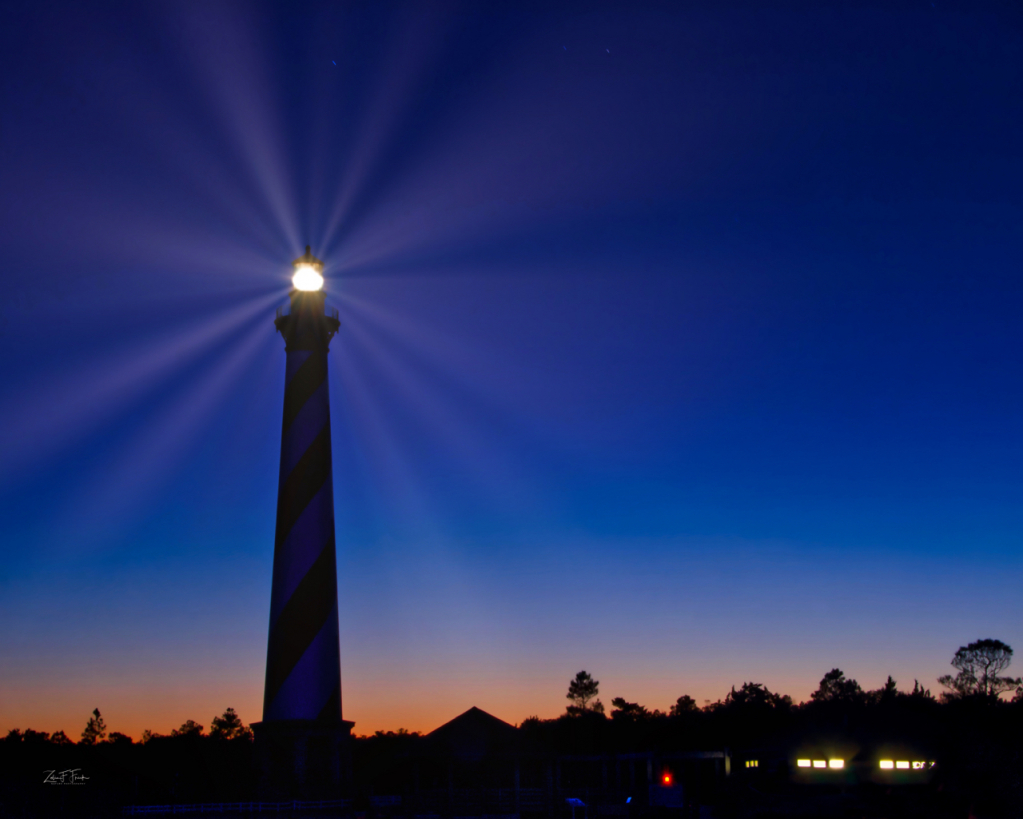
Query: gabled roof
x,y
473,735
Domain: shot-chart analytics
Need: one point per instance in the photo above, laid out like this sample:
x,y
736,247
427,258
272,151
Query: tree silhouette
x,y
190,728
684,705
628,711
229,726
834,687
887,693
581,691
95,729
756,695
979,665
919,692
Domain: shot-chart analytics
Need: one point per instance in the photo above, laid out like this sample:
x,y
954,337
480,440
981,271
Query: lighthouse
x,y
302,740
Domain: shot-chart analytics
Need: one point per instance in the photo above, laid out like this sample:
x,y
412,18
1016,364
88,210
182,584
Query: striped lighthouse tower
x,y
301,740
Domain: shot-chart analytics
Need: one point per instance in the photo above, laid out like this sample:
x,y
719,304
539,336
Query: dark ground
x,y
978,747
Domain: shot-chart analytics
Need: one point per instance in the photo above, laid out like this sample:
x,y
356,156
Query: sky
x,y
680,343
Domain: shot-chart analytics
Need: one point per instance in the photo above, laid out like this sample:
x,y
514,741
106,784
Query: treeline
x,y
978,677
228,726
752,716
50,775
979,709
979,705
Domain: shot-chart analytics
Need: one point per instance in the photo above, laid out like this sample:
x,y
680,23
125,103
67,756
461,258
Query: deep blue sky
x,y
680,342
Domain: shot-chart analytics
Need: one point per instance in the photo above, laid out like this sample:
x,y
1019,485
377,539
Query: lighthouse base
x,y
303,759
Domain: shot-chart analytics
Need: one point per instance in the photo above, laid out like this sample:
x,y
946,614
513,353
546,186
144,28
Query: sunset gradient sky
x,y
680,343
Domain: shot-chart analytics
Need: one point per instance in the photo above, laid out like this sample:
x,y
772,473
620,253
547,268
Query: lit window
x,y
918,766
751,763
802,763
902,765
836,763
886,764
820,763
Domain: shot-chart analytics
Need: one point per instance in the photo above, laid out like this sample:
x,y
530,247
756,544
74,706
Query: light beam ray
x,y
235,79
373,444
47,416
411,56
131,476
450,405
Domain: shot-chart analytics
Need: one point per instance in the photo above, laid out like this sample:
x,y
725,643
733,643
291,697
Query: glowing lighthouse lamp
x,y
308,272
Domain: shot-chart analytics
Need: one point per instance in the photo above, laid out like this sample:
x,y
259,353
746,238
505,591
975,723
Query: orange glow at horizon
x,y
163,696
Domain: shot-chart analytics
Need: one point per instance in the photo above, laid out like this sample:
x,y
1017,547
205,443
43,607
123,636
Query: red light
x,y
667,779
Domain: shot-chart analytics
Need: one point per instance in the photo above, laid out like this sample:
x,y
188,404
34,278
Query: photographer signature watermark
x,y
72,776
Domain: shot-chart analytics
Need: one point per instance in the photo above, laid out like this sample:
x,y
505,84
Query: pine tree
x,y
229,726
580,691
95,730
